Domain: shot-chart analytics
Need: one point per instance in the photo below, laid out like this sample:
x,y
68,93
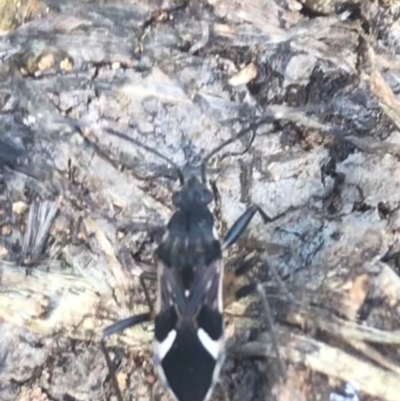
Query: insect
x,y
189,343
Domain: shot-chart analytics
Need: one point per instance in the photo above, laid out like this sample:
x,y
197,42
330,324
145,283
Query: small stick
x,y
268,315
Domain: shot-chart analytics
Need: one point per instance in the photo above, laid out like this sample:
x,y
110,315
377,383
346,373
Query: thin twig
x,y
268,315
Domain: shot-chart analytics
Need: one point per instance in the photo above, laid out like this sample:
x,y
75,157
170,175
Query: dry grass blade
x,y
340,328
204,38
40,219
387,99
374,355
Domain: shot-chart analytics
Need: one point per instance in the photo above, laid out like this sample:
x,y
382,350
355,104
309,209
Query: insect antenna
x,y
236,137
151,150
206,159
250,128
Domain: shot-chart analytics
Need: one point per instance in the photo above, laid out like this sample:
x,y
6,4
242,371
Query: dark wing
x,y
189,346
206,290
170,290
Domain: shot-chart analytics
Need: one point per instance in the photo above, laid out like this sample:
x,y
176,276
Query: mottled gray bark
x,y
183,81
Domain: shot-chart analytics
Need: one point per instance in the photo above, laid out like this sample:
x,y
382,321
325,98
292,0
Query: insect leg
x,y
149,276
249,289
232,291
241,224
217,199
117,328
245,290
268,316
246,266
124,324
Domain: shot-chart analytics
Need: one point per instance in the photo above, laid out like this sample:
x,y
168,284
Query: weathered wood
x,y
51,301
333,362
182,80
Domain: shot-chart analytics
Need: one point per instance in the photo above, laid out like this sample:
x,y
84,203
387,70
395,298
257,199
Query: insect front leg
x,y
241,224
124,324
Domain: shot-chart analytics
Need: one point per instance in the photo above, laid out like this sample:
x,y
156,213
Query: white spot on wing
x,y
350,393
214,348
215,233
218,365
161,348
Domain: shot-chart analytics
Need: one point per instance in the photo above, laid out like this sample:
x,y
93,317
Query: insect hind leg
x,y
115,328
124,324
148,276
268,317
250,288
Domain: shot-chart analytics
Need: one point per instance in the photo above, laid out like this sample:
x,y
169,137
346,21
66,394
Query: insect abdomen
x,y
191,354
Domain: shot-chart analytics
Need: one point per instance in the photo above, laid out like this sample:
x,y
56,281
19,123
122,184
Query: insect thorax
x,y
190,243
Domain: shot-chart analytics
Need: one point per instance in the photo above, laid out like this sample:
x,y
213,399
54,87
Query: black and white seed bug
x,y
189,342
